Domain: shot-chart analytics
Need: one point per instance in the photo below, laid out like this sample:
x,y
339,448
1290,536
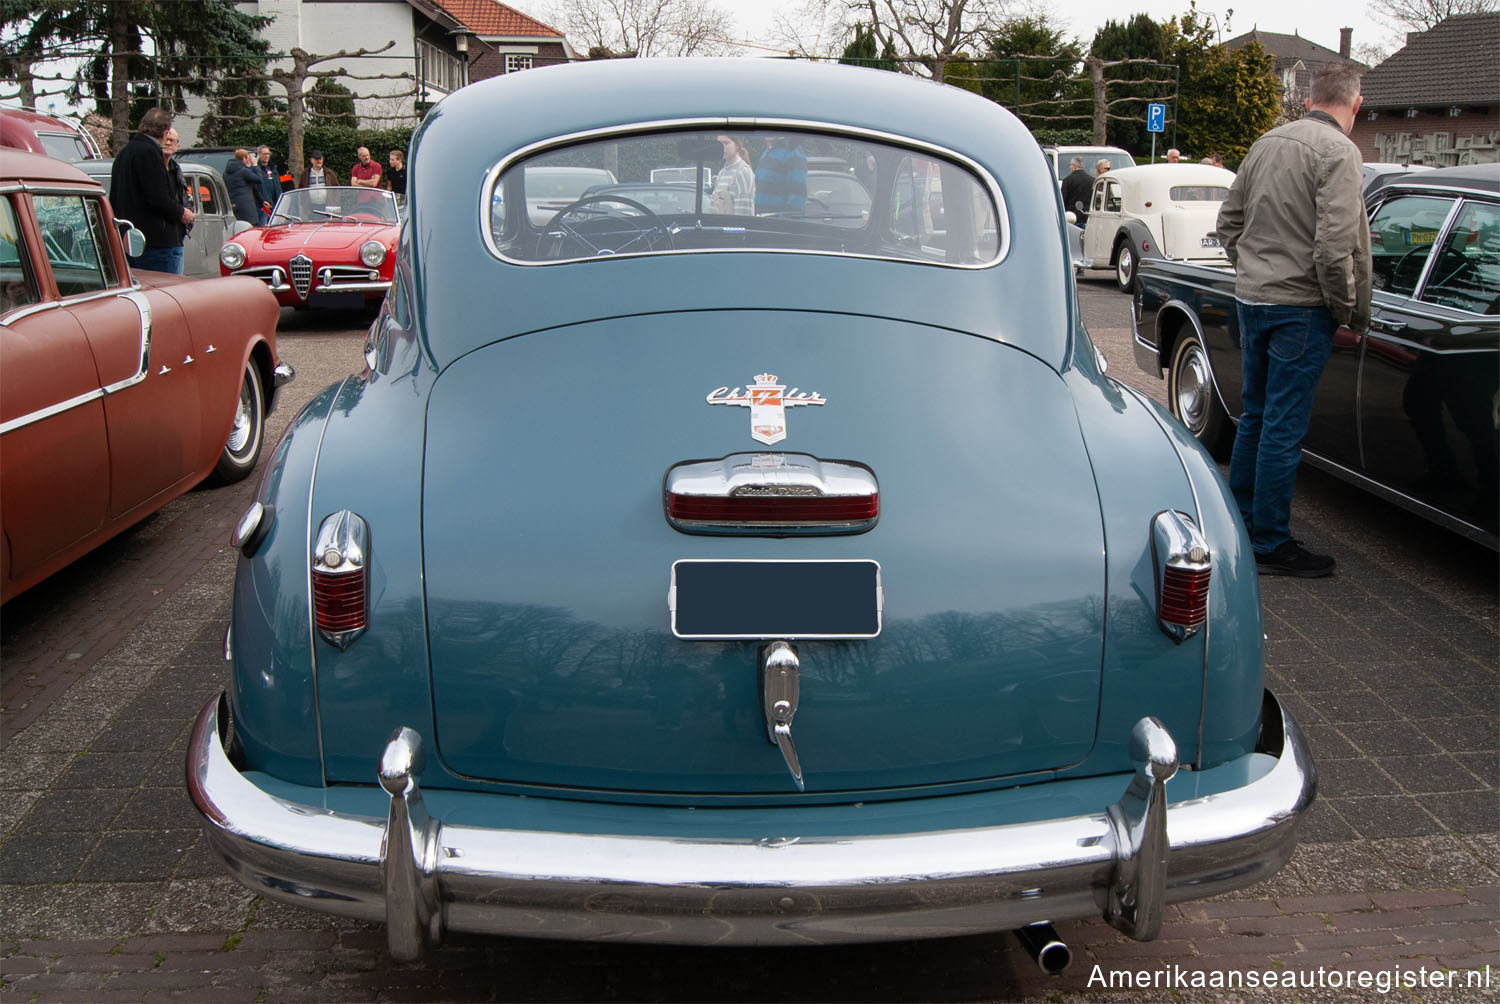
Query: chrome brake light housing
x,y
1184,568
341,578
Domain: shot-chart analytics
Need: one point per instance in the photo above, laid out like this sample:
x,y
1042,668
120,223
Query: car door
x,y
141,351
1430,378
54,452
210,228
1104,220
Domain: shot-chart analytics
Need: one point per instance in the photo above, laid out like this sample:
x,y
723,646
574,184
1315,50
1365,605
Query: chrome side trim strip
x,y
50,410
755,888
35,308
1461,527
141,304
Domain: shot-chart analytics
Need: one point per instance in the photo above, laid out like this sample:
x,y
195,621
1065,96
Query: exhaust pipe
x,y
1049,951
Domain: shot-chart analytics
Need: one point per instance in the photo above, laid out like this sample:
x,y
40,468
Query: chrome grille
x,y
301,274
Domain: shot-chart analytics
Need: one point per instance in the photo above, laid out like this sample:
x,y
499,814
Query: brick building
x,y
1436,100
501,39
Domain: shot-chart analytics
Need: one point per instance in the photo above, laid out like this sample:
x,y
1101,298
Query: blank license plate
x,y
788,600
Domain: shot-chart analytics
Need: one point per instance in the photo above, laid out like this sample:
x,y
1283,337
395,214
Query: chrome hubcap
x,y
239,435
1124,265
1192,389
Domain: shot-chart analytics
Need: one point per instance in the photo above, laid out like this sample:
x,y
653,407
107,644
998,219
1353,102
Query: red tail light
x,y
339,600
1184,596
772,509
1184,569
780,493
340,578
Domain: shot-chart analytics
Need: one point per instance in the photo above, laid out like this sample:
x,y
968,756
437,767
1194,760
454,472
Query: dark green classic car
x,y
742,571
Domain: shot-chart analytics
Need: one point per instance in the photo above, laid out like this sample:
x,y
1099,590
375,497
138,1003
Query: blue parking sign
x,y
1156,118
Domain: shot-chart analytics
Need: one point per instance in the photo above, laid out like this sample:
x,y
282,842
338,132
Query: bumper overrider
x,y
422,876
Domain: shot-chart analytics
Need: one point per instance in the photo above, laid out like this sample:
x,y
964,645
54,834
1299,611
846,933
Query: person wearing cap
x,y
316,175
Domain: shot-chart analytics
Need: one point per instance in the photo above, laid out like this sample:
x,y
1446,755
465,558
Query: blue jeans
x,y
160,260
1284,350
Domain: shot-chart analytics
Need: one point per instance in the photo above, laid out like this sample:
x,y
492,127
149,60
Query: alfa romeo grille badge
x,y
767,401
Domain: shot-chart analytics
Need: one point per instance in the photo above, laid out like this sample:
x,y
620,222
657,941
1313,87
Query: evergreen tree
x,y
1042,92
864,50
1132,87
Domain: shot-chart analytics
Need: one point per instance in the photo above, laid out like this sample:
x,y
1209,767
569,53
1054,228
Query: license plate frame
x,y
763,599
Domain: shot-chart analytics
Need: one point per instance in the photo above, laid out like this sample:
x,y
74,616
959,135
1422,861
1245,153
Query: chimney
x,y
1346,39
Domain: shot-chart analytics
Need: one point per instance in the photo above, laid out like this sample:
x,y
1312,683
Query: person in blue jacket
x,y
781,179
244,187
269,176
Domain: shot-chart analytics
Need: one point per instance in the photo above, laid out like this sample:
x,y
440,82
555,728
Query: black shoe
x,y
1291,558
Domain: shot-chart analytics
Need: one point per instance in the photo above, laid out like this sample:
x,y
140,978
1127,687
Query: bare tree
x,y
931,32
1418,15
646,27
294,81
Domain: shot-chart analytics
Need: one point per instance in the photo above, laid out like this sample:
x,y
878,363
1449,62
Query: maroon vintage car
x,y
119,390
64,139
324,247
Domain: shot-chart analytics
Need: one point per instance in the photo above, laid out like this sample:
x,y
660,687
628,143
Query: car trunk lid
x,y
548,557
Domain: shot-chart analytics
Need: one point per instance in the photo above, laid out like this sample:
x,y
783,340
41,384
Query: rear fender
x,y
1137,474
272,696
1234,668
1138,234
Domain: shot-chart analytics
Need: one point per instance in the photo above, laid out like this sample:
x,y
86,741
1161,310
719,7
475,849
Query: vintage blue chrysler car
x,y
756,573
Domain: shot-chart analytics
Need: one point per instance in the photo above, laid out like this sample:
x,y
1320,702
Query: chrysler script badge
x,y
767,401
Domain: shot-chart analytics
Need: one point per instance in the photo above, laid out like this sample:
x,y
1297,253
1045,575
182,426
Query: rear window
x,y
64,146
1198,193
759,190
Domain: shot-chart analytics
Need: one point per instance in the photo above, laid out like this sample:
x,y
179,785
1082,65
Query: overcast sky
x,y
1317,22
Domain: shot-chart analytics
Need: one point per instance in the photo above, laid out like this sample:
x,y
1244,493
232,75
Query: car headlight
x,y
232,255
372,253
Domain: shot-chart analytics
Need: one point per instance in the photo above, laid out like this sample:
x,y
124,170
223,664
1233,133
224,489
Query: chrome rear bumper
x,y
422,876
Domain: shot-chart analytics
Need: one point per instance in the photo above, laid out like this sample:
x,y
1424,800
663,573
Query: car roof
x,y
1087,149
476,131
102,166
1167,174
1475,177
18,166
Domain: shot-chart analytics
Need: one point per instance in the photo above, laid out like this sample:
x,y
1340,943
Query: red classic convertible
x,y
324,247
119,390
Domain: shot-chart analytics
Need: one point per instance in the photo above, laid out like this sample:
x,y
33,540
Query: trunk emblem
x,y
767,401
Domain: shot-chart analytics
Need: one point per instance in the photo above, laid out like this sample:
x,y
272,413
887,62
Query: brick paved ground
x,y
107,892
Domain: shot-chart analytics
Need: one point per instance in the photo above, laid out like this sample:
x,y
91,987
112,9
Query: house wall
x,y
328,26
1431,138
487,59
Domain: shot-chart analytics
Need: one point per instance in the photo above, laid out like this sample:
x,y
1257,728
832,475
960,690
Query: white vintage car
x,y
1155,211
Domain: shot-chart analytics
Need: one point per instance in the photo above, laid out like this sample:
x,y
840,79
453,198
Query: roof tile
x,y
1451,63
488,17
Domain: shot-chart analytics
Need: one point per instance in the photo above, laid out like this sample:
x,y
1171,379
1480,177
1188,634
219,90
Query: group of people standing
x,y
147,187
776,186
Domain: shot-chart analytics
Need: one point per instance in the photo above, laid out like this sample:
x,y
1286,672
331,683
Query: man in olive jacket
x,y
1294,228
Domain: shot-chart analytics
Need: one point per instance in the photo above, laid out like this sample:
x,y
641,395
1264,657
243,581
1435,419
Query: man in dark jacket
x,y
141,191
1076,189
269,176
244,187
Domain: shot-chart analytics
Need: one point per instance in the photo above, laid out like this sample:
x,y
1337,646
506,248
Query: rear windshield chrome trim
x,y
486,191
